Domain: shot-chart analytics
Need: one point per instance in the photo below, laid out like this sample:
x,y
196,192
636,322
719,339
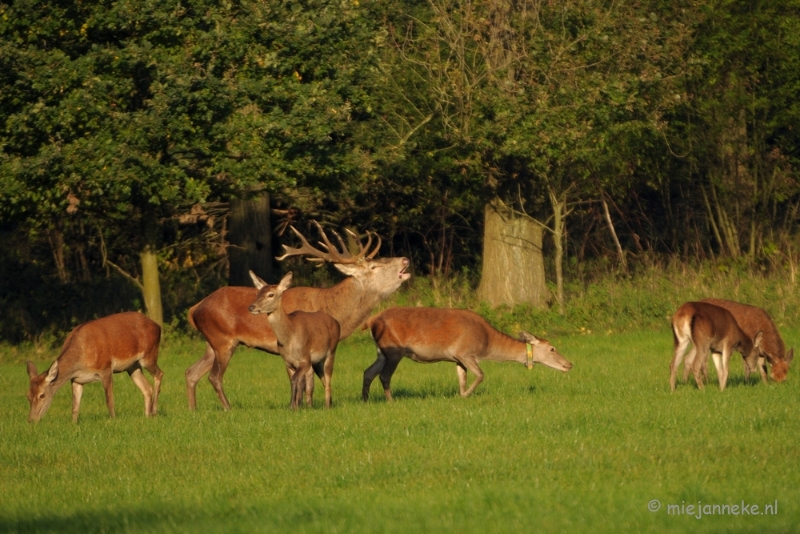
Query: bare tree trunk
x,y
250,237
620,252
151,284
57,245
513,267
559,217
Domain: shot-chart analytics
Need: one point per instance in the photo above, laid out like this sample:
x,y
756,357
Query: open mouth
x,y
403,274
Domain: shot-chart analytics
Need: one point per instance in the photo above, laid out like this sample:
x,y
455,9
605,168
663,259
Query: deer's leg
x,y
680,349
726,359
392,361
688,363
463,367
309,386
461,371
371,372
77,393
762,369
327,375
144,386
700,363
194,373
218,369
298,384
718,365
108,385
157,374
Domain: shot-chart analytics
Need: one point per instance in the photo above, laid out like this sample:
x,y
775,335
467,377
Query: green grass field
x,y
530,451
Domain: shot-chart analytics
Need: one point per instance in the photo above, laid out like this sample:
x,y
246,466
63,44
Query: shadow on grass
x,y
427,393
108,521
712,382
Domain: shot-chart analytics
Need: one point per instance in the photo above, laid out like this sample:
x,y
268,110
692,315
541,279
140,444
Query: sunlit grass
x,y
531,450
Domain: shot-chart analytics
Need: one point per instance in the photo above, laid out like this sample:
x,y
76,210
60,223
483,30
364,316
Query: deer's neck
x,y
503,348
281,324
349,302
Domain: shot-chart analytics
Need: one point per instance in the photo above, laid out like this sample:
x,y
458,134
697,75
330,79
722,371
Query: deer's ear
x,y
347,268
52,373
527,337
789,355
258,282
285,282
758,338
32,372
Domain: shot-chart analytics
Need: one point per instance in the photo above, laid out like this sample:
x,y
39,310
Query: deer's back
x,y
225,315
431,330
709,323
117,341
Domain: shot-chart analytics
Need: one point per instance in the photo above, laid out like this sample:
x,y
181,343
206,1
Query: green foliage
x,y
587,450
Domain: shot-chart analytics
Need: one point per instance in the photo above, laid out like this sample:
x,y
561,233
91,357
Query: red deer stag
x,y
753,320
224,319
710,329
306,340
94,351
439,334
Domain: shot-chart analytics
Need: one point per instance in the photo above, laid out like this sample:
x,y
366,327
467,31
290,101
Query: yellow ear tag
x,y
529,349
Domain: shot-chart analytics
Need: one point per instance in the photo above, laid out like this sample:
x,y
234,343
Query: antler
x,y
331,253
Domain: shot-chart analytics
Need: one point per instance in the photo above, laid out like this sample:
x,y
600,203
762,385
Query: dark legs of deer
x,y
370,373
385,366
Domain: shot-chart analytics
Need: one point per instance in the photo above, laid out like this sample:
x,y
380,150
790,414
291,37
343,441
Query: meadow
x,y
595,449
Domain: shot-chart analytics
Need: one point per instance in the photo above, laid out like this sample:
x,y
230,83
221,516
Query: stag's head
x,y
382,276
545,353
42,390
269,296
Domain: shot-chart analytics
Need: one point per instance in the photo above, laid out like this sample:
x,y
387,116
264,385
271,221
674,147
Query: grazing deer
x,y
439,334
224,319
94,351
753,320
710,329
306,340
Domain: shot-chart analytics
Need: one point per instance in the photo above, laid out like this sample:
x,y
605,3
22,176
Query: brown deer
x,y
306,340
714,330
753,320
94,351
225,321
439,334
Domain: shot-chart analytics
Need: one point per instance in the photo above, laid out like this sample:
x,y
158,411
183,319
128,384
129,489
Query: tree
x,y
740,129
537,99
123,115
250,238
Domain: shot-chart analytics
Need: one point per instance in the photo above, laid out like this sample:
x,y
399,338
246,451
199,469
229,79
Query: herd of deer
x,y
304,325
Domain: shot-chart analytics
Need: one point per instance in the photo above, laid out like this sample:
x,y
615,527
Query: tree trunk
x,y
151,284
513,266
250,237
559,217
57,245
620,252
